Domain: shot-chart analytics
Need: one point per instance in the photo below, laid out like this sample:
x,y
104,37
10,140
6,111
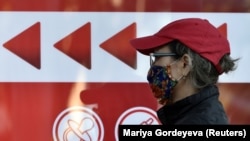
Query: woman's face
x,y
175,65
163,60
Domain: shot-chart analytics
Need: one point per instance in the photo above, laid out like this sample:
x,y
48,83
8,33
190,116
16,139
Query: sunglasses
x,y
153,56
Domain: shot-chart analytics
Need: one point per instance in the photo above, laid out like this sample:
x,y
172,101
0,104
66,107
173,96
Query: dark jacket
x,y
201,108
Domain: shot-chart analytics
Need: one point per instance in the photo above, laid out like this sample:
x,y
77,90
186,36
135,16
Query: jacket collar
x,y
169,113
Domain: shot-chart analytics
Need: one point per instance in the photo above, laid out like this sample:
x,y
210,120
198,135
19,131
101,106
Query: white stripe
x,y
57,67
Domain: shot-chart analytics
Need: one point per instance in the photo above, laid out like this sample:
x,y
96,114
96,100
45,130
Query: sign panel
x,y
94,47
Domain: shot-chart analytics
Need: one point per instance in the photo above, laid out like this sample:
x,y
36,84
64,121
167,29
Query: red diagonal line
x,y
120,47
26,45
77,45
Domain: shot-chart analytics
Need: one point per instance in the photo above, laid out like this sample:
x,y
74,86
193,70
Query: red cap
x,y
197,34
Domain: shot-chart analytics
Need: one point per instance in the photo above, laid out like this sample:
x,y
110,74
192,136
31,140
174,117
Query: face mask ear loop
x,y
180,78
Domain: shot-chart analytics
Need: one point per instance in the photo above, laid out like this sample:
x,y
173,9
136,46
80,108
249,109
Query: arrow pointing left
x,y
26,45
77,45
118,45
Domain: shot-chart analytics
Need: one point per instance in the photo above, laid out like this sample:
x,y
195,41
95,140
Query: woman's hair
x,y
203,72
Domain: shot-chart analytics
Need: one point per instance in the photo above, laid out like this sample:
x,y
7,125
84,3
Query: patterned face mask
x,y
160,82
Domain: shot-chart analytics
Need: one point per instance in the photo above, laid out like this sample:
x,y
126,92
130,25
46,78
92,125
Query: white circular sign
x,y
137,116
77,124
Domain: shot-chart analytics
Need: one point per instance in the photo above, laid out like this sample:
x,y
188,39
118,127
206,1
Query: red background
x,y
28,110
127,5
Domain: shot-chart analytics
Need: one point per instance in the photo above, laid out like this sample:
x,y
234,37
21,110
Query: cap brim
x,y
146,45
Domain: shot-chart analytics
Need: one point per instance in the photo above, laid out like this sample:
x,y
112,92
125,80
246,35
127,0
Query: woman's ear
x,y
186,64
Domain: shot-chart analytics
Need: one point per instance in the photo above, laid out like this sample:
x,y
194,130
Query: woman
x,y
186,57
